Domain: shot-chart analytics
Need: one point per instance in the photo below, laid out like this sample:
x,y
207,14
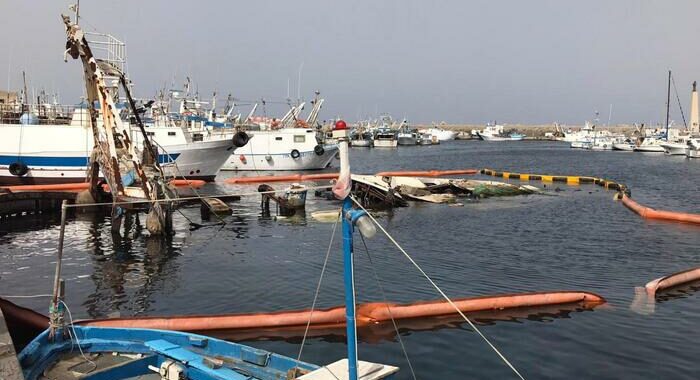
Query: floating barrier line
x,y
650,213
672,280
568,179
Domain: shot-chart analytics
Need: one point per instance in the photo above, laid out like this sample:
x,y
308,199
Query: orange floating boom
x,y
78,186
427,173
650,213
311,177
672,280
367,314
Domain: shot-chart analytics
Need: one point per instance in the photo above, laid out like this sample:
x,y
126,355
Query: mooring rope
x,y
503,358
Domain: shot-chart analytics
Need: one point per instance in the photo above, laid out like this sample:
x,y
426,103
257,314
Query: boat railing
x,y
107,48
42,114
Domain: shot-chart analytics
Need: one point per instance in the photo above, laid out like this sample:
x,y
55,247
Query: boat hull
x,y
623,147
406,140
361,143
247,159
649,149
282,150
132,353
386,143
675,149
59,154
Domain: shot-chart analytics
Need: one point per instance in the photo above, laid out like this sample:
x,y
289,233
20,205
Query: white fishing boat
x,y
428,139
650,145
385,138
282,149
693,148
626,145
496,132
361,137
406,136
678,148
440,133
601,143
45,150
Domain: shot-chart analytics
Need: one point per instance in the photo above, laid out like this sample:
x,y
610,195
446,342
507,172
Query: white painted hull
x,y
675,149
361,143
693,153
407,140
649,149
277,150
624,147
386,143
580,144
59,154
441,134
246,159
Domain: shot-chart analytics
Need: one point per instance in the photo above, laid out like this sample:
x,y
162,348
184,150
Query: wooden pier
x,y
17,204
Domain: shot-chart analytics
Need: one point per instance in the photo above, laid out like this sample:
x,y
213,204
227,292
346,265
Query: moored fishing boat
x,y
406,136
440,133
385,138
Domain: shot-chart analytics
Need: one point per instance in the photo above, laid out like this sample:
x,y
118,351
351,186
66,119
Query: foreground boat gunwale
x,y
41,354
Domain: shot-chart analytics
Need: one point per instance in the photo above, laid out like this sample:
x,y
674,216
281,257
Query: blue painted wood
x,y
186,349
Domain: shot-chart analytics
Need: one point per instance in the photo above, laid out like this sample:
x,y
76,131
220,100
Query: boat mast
x,y
349,217
668,102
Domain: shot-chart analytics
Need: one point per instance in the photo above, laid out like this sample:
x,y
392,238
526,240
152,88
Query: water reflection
x,y
645,303
128,266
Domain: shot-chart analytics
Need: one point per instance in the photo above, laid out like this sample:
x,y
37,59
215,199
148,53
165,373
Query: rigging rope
x,y
679,102
503,358
318,289
388,309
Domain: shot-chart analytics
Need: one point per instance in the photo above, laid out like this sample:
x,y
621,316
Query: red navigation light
x,y
340,125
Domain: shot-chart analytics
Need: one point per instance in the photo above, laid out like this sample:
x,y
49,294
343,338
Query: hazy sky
x,y
457,61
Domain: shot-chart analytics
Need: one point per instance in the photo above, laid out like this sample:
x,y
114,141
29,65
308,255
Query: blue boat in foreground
x,y
93,353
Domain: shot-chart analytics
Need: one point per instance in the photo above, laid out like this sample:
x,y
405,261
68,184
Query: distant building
x,y
7,97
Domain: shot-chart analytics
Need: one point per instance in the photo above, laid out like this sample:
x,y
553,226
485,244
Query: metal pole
x,y
59,258
349,280
668,102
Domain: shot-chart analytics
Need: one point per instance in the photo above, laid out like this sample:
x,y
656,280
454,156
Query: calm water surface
x,y
577,238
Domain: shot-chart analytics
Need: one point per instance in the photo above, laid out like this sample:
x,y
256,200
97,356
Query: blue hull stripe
x,y
67,161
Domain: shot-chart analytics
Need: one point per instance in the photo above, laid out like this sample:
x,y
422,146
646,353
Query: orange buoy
x,y
77,186
650,213
265,178
187,182
311,177
367,314
679,278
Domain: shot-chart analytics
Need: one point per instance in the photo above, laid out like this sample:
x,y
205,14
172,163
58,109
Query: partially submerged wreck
x,y
394,191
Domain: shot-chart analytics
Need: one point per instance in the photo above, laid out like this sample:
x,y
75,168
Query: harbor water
x,y
570,238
